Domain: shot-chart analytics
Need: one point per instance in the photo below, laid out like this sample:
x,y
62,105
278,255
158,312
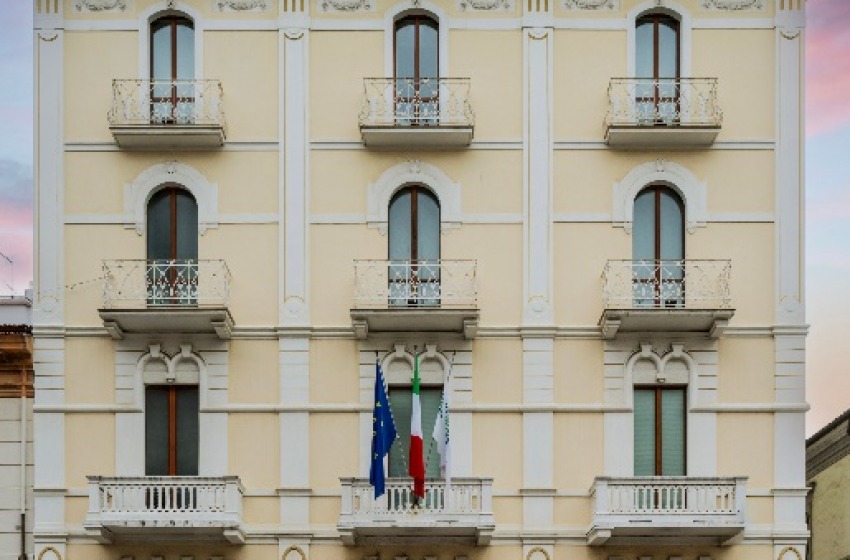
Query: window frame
x,y
173,426
659,428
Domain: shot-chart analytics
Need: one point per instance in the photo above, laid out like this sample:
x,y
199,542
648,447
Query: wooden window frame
x,y
172,22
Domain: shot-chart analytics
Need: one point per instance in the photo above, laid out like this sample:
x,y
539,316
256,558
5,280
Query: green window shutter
x,y
156,431
673,432
644,432
430,398
400,402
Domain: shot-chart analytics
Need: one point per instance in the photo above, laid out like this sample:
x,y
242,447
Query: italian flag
x,y
417,456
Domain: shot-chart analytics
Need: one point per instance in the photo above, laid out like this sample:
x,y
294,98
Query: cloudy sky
x,y
827,175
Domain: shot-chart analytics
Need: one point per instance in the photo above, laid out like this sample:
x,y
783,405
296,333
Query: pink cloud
x,y
827,71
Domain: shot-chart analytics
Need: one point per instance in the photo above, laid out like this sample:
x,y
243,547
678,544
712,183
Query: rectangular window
x,y
171,430
659,431
401,399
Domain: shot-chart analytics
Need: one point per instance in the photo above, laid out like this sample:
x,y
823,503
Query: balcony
x,y
461,514
166,296
411,113
662,113
673,510
167,114
415,296
165,509
646,296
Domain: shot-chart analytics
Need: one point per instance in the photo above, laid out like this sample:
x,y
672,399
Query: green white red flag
x,y
417,455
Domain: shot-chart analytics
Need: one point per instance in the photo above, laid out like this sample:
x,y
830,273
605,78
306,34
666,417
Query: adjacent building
x,y
582,219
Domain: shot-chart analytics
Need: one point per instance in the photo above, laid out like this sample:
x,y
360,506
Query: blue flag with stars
x,y
383,433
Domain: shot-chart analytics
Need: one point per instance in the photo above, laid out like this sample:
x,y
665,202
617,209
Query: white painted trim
x,y
159,9
685,25
720,145
679,178
733,23
423,7
138,193
380,193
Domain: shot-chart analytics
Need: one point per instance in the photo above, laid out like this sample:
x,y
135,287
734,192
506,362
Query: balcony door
x,y
659,431
416,71
414,239
172,248
658,248
657,63
171,430
172,66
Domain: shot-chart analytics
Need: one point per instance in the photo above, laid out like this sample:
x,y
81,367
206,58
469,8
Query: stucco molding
x,y
172,362
733,5
347,6
676,176
401,353
241,5
411,172
592,4
484,5
148,182
97,6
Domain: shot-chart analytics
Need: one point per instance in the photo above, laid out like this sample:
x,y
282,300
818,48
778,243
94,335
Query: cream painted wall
x,y
336,375
96,459
745,370
579,371
89,370
745,446
489,456
249,81
831,514
253,371
254,449
339,434
497,371
578,449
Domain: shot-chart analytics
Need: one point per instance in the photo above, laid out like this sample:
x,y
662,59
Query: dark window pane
x,y
185,51
405,45
644,432
643,229
428,49
400,226
400,403
159,225
187,431
156,431
673,432
644,49
428,226
672,226
668,48
161,51
187,226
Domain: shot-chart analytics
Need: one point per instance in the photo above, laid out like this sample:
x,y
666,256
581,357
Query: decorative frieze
x,y
101,5
485,5
241,5
592,4
733,5
346,6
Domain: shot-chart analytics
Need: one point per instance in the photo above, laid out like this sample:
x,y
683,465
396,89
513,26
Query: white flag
x,y
441,437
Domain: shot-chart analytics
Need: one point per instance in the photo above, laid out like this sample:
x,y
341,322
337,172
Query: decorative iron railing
x,y
400,102
663,495
464,497
444,283
145,283
663,102
162,499
166,102
666,284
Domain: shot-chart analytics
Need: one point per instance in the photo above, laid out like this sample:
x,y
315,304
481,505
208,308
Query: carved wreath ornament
x,y
733,5
592,4
241,5
485,5
100,5
346,5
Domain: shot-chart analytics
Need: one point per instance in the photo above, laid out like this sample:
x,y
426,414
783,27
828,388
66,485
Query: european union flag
x,y
383,433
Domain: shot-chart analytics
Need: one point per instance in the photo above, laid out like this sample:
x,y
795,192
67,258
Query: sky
x,y
827,183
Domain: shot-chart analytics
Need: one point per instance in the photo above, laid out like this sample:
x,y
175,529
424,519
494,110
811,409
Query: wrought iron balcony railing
x,y
667,506
464,509
162,506
650,102
150,283
166,102
412,102
413,284
666,284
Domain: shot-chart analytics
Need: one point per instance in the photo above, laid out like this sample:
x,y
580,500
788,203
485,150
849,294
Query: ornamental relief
x,y
485,5
347,5
241,5
592,4
101,5
733,5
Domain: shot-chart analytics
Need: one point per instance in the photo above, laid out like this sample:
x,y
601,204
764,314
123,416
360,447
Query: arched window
x,y
172,66
658,248
657,63
416,68
172,247
414,247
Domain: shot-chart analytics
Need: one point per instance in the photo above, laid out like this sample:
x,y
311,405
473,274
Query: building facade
x,y
582,218
828,477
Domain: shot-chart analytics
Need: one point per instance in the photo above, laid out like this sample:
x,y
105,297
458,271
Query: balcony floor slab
x,y
168,137
413,137
415,319
710,322
638,137
168,320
